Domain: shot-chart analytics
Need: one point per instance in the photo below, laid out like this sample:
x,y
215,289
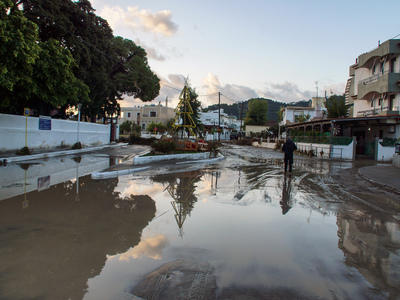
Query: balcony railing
x,y
376,111
374,78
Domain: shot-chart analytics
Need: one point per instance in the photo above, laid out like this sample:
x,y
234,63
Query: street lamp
x,y
79,119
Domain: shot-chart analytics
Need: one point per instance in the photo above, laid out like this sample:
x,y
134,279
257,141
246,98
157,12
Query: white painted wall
x,y
385,153
62,133
337,151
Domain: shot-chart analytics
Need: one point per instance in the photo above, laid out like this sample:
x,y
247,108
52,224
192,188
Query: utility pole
x,y
166,102
219,116
241,118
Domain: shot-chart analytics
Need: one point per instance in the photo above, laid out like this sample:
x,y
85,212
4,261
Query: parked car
x,y
237,135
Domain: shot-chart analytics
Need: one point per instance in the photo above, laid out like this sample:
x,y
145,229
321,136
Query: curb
x,y
113,174
387,187
56,153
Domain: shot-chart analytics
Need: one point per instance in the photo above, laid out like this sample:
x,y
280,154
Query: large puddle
x,y
239,228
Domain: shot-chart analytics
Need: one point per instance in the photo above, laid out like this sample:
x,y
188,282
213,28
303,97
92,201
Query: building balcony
x,y
366,60
380,111
379,83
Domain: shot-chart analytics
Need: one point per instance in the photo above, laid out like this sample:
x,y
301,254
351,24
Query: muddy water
x,y
237,228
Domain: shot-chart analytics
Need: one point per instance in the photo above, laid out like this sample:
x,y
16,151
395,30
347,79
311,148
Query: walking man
x,y
289,147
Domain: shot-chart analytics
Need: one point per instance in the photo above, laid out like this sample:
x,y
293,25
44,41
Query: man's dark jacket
x,y
289,147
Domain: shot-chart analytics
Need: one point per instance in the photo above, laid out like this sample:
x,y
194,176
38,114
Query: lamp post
x,y
79,119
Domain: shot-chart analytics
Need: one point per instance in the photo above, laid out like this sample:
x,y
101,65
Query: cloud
x,y
149,247
231,92
285,92
151,52
136,19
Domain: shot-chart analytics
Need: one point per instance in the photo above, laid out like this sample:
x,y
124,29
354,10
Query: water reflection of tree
x,y
181,187
56,244
371,245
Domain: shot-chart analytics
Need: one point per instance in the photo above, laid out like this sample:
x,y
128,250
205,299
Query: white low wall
x,y
396,160
268,145
140,159
63,133
329,151
385,153
320,150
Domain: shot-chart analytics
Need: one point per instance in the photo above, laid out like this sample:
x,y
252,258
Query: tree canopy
x,y
59,52
257,112
336,107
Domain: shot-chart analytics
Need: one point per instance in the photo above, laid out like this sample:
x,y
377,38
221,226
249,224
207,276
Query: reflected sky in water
x,y
258,229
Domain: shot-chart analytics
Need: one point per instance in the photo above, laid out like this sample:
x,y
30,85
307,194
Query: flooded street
x,y
235,229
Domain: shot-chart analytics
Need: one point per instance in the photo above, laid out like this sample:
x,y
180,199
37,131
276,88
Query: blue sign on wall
x,y
44,123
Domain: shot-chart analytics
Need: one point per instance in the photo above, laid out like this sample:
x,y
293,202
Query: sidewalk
x,y
385,176
10,157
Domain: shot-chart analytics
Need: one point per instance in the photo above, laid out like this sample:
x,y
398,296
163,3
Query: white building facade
x,y
213,118
145,115
374,85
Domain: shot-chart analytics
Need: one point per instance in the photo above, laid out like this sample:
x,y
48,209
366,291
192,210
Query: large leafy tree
x,y
336,106
36,74
130,74
257,112
18,53
110,67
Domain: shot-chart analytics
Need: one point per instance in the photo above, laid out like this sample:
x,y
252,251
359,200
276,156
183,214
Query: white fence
x,y
46,133
208,137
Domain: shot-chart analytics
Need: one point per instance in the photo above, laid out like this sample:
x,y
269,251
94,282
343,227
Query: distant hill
x,y
273,108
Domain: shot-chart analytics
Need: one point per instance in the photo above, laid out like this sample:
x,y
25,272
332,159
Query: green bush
x,y
163,146
388,142
76,146
24,151
137,140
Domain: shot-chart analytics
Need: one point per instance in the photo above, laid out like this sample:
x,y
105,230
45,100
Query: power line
x,y
236,101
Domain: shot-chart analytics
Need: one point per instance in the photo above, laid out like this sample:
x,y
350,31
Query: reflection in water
x,y
107,242
181,187
371,245
50,249
287,187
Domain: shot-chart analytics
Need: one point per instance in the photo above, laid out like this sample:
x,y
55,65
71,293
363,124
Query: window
x,y
129,115
373,70
392,64
380,101
144,126
372,103
391,102
153,114
138,115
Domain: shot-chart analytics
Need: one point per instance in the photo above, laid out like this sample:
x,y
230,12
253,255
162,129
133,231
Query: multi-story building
x,y
212,119
131,114
147,114
374,85
155,113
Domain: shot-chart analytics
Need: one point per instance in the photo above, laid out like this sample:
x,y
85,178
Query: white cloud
x,y
136,19
149,247
231,92
151,52
285,92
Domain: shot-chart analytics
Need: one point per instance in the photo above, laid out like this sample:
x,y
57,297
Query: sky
x,y
284,50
